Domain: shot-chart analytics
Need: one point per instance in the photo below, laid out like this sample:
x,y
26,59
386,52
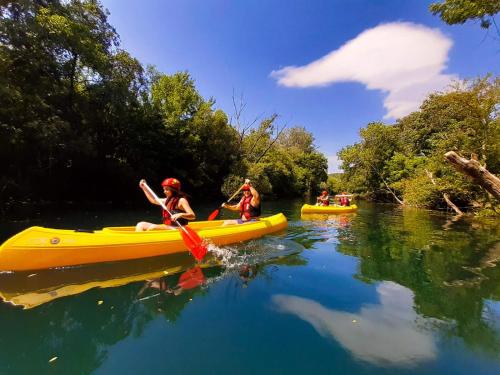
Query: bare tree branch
x,y
445,195
272,143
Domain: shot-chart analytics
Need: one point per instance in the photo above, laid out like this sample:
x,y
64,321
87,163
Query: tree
x,y
407,157
365,162
460,11
76,110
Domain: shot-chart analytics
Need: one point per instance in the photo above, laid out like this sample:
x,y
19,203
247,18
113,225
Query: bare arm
x,y
255,197
188,214
232,207
147,194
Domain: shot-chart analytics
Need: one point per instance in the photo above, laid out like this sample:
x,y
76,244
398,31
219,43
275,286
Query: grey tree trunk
x,y
474,170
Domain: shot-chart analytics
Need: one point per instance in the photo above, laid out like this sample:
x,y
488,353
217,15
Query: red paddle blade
x,y
193,242
214,214
192,278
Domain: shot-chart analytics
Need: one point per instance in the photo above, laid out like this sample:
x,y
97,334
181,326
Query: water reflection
x,y
437,282
337,220
451,272
387,334
192,278
106,304
30,290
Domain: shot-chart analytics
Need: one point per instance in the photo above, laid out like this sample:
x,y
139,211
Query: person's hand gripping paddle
x,y
214,214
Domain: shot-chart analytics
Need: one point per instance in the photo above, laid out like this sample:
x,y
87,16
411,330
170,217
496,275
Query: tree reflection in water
x,y
452,273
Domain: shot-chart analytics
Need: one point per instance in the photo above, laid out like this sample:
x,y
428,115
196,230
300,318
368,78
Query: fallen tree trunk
x,y
473,169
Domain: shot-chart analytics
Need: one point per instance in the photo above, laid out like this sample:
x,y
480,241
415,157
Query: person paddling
x,y
176,203
249,205
323,199
344,199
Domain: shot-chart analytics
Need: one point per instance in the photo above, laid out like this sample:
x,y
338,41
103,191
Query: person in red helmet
x,y
249,205
323,199
176,203
344,199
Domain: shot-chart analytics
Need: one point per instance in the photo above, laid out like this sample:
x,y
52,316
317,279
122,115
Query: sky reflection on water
x,y
383,291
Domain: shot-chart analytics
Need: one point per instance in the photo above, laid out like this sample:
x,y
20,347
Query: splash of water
x,y
255,251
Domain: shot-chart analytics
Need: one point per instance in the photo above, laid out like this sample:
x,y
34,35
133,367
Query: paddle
x,y
191,239
191,278
214,214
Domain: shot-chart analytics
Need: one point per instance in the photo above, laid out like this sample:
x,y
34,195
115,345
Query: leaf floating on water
x,y
52,359
100,302
354,321
31,275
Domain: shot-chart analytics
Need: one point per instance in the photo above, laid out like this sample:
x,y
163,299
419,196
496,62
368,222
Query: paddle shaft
x,y
159,201
235,194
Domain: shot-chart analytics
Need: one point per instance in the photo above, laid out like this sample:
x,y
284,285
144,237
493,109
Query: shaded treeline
x,y
82,120
405,161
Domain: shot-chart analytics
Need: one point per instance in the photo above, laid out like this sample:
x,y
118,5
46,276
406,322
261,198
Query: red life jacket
x,y
171,203
325,201
247,210
344,201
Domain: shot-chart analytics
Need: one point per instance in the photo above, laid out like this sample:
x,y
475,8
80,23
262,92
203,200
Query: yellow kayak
x,y
310,209
42,248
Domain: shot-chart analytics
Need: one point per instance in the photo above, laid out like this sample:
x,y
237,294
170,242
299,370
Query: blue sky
x,y
330,66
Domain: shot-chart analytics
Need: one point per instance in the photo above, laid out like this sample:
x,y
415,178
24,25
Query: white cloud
x,y
404,60
334,164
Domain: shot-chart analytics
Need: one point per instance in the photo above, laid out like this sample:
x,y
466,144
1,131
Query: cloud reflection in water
x,y
385,334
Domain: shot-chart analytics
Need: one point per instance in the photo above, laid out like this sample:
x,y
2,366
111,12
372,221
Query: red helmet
x,y
245,187
324,192
172,183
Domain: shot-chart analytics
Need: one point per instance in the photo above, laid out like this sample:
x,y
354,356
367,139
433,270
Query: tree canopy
x,y
406,160
83,120
459,11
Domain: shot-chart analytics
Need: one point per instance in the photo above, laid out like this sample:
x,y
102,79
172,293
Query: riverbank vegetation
x,y
422,159
83,120
405,162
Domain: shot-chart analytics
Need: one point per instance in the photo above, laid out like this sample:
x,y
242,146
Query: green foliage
x,y
282,162
460,11
175,97
334,184
76,110
419,191
400,159
364,163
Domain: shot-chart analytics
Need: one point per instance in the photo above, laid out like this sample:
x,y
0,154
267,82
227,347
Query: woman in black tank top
x,y
176,203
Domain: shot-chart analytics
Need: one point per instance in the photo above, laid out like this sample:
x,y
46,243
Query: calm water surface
x,y
382,291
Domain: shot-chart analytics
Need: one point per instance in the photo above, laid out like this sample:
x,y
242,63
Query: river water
x,y
381,291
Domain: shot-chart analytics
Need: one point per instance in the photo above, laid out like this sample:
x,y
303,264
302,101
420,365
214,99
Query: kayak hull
x,y
43,248
310,209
